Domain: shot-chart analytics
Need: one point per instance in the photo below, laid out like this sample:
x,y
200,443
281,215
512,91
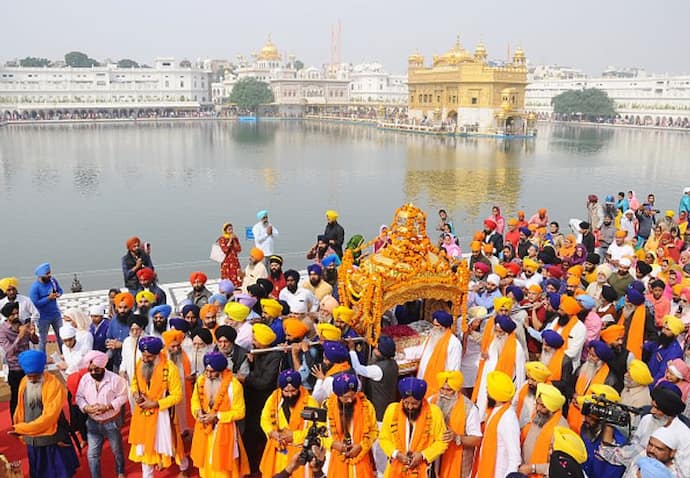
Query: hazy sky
x,y
585,34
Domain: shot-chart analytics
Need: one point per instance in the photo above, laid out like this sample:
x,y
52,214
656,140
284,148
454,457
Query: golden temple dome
x,y
416,57
269,51
480,50
519,54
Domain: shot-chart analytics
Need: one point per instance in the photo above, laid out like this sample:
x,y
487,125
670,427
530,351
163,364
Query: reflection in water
x,y
581,140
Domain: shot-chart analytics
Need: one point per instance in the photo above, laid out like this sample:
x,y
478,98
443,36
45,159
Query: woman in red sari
x,y
230,244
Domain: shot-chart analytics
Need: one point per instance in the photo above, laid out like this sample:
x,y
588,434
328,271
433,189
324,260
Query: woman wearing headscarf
x,y
579,256
382,240
498,219
78,319
567,250
230,244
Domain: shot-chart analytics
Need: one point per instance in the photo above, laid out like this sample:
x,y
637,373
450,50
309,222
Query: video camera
x,y
610,412
314,434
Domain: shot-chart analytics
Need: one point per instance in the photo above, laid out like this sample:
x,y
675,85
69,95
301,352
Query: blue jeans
x,y
44,326
96,432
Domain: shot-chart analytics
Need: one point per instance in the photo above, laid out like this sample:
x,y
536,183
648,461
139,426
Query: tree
x,y
249,93
78,59
31,61
591,103
127,63
298,65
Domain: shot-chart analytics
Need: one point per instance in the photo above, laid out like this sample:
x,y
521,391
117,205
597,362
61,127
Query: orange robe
x,y
575,417
436,363
451,460
54,397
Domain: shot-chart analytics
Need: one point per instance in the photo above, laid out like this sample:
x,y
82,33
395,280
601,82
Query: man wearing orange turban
x,y
199,294
118,329
132,262
172,339
571,328
255,268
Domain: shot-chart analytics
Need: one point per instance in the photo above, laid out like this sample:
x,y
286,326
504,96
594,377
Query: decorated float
x,y
410,268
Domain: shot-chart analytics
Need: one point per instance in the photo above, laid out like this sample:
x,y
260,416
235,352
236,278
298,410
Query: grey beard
x,y
446,405
175,357
147,371
546,357
540,419
34,393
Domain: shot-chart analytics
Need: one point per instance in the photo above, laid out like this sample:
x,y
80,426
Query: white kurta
x,y
576,340
423,354
508,444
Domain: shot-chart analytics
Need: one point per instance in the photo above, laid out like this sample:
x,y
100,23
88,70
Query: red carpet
x,y
14,450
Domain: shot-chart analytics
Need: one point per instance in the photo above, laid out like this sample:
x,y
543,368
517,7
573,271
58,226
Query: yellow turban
x,y
332,215
454,379
328,332
263,334
669,213
294,328
145,294
537,371
576,270
567,441
528,263
503,302
607,391
674,324
499,386
9,282
271,307
612,333
639,372
236,311
476,246
344,314
501,271
550,396
573,280
172,335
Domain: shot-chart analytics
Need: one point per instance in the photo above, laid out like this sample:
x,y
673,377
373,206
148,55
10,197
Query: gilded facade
x,y
463,88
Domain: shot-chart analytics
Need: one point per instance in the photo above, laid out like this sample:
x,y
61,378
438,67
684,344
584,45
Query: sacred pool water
x,y
72,194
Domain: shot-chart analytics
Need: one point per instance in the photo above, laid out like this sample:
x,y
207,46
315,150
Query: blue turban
x,y
518,295
586,301
277,328
32,361
555,283
216,360
638,286
344,382
225,286
152,345
552,338
666,385
42,270
505,323
289,377
331,259
554,300
191,308
179,324
335,352
525,230
219,299
163,309
315,269
634,296
261,214
653,468
602,350
386,346
443,318
412,387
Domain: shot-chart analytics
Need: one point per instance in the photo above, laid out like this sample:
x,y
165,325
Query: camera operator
x,y
315,464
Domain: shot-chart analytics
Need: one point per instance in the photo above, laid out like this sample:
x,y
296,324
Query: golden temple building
x,y
463,88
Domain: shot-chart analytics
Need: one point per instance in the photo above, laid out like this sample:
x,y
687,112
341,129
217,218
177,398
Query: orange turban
x,y
257,254
172,335
512,222
542,211
131,241
294,328
621,233
125,297
488,248
569,305
195,276
476,246
612,333
535,288
501,271
478,236
576,270
573,280
208,309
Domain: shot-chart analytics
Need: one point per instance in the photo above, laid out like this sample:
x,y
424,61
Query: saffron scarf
x,y
337,368
339,466
524,390
556,365
487,338
437,362
506,356
635,331
421,439
540,453
451,460
144,422
487,453
581,388
53,397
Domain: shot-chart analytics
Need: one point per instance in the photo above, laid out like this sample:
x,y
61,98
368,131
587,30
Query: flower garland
x,y
222,393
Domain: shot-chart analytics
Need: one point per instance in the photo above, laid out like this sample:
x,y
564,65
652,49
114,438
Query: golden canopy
x,y
269,51
411,267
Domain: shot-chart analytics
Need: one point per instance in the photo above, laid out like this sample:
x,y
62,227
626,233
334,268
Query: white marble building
x,y
371,83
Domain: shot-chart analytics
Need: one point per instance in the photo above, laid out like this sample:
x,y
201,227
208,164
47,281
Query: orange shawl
x,y
540,453
436,363
188,388
635,331
556,365
339,466
451,460
581,388
53,398
522,394
337,368
296,422
487,453
487,338
567,328
224,443
506,356
421,439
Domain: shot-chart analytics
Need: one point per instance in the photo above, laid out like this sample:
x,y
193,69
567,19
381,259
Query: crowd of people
x,y
571,360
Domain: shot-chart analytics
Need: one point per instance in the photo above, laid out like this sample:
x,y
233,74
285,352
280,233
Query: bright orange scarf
x,y
487,338
421,439
144,422
53,397
635,331
337,368
339,466
566,330
540,453
581,388
506,356
296,422
451,460
437,362
487,453
524,390
556,364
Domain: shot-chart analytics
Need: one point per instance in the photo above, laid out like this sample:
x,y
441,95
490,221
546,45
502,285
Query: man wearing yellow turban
x,y
526,396
463,432
334,232
328,332
27,309
499,453
667,347
538,434
567,441
636,387
145,300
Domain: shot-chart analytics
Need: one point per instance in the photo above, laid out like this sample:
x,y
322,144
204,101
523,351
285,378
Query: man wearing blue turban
x,y
264,232
44,294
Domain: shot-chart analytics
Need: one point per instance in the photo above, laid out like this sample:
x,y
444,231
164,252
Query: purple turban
x,y
335,352
412,387
191,308
179,324
315,269
554,300
289,377
526,231
216,360
225,286
245,299
386,346
344,382
634,296
443,318
152,345
518,295
505,323
602,350
552,338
